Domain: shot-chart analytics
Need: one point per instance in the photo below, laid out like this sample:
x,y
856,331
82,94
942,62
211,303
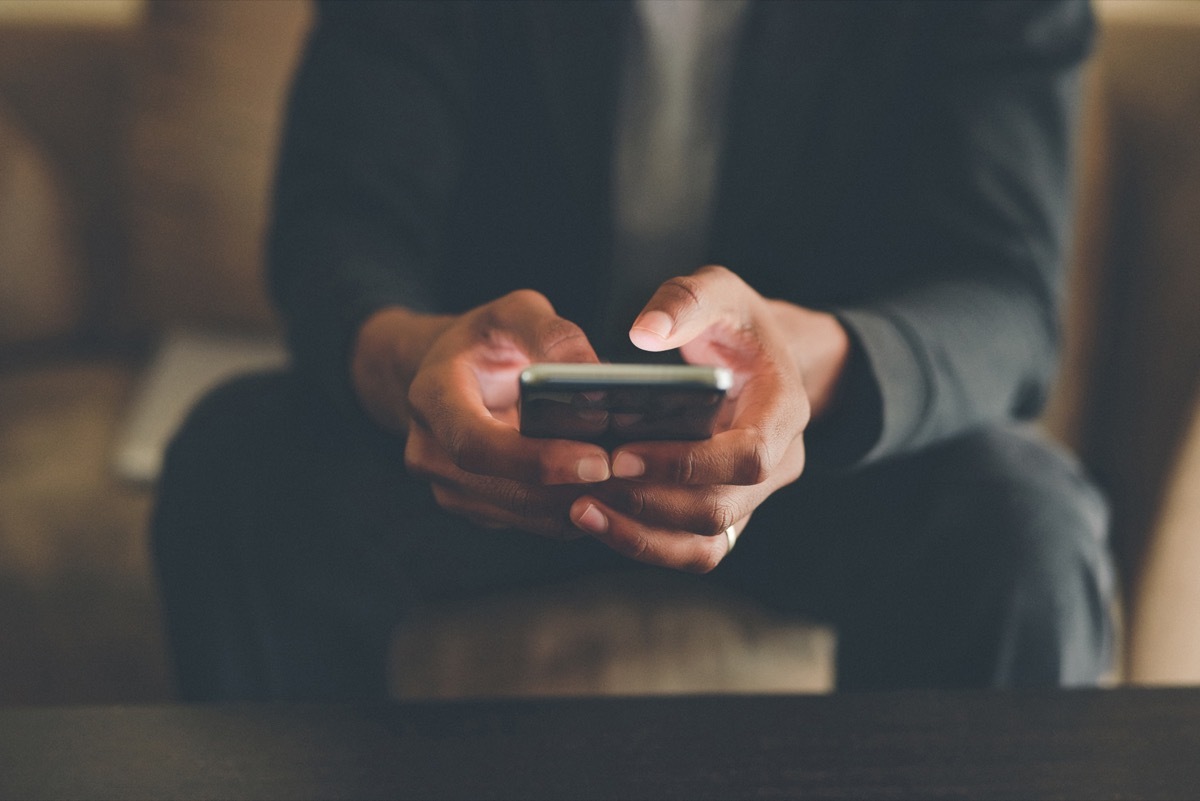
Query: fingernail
x,y
656,322
592,520
592,469
627,465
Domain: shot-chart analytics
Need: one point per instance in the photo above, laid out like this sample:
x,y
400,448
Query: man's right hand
x,y
452,383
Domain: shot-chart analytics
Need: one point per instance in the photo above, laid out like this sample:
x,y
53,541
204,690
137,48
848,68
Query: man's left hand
x,y
682,504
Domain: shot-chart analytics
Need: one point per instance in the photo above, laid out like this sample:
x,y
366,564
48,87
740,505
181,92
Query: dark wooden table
x,y
1128,743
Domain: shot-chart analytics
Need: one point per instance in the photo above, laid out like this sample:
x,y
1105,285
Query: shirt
x,y
670,130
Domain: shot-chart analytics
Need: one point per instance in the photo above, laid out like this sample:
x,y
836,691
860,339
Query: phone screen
x,y
621,403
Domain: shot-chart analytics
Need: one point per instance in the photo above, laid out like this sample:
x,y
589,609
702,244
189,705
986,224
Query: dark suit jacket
x,y
904,165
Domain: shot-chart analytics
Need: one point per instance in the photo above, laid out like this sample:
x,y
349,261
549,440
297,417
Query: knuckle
x,y
517,499
636,501
719,515
446,499
524,298
416,457
684,289
560,335
755,464
501,312
717,270
802,410
418,392
467,452
706,560
458,448
429,399
685,467
791,466
637,548
487,319
471,460
630,498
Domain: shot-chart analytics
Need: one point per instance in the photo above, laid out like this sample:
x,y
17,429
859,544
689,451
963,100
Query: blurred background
x,y
136,148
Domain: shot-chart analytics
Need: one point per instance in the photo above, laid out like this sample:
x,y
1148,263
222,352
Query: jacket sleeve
x,y
979,215
370,155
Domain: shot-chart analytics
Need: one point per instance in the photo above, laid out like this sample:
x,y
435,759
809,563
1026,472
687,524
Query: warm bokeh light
x,y
115,13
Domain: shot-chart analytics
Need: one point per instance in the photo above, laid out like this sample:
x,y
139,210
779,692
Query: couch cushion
x,y
79,614
627,633
41,290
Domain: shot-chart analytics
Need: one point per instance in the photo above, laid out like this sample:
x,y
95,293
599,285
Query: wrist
x,y
820,349
388,350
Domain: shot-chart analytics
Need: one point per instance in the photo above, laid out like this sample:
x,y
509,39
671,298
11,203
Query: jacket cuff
x,y
883,396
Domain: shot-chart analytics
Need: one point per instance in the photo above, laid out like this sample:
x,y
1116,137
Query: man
x,y
861,209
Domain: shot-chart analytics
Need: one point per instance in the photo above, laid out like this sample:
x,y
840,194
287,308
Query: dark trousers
x,y
289,542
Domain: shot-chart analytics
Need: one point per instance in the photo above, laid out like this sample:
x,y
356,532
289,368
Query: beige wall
x,y
63,97
208,94
1148,340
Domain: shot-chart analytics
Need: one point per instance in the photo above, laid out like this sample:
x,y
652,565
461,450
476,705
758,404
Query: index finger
x,y
448,394
684,306
767,421
477,442
527,320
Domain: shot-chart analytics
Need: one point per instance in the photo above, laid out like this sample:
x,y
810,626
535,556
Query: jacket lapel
x,y
578,50
777,101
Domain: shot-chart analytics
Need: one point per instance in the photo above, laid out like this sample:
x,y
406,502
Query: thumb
x,y
530,319
683,307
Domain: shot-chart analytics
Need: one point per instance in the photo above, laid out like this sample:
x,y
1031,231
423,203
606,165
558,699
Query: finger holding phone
x,y
451,384
670,500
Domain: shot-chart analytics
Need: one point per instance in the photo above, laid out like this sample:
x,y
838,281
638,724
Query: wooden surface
x,y
1082,744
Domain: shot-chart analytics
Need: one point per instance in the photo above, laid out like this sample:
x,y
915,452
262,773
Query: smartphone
x,y
613,403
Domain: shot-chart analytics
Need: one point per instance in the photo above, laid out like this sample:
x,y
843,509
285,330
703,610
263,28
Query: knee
x,y
1025,506
226,421
1037,541
1032,501
212,457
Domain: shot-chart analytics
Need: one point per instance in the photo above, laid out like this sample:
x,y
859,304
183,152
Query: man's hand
x,y
460,409
669,501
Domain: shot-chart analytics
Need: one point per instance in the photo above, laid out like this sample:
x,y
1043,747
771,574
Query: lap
x,y
300,532
981,561
278,476
995,501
